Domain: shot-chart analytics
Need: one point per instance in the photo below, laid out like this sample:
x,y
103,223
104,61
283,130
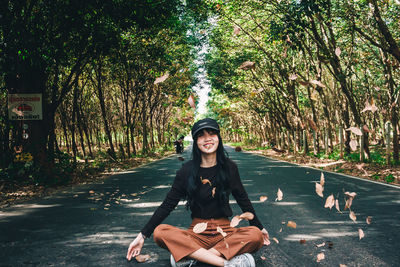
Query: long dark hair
x,y
221,180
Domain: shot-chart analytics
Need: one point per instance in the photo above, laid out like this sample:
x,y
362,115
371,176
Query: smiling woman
x,y
206,182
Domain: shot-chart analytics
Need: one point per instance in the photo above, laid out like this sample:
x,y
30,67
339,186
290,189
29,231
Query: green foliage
x,y
389,178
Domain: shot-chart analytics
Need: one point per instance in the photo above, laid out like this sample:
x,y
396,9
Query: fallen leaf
x,y
235,221
247,65
280,230
352,216
337,205
322,179
91,192
263,198
213,191
279,195
342,265
219,230
291,224
319,189
200,227
161,79
355,130
360,233
247,216
142,258
276,240
204,181
320,257
330,202
302,241
75,196
263,258
353,144
349,201
368,220
320,245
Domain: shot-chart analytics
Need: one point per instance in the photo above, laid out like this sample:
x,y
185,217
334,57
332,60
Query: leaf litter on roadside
x,y
279,195
142,258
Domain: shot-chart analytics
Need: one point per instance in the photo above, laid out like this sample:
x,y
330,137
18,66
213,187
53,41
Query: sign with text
x,y
25,107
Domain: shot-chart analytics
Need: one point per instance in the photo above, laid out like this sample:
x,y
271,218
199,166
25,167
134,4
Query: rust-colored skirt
x,y
182,243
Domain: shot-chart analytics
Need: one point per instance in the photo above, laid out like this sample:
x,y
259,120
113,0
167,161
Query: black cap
x,y
206,123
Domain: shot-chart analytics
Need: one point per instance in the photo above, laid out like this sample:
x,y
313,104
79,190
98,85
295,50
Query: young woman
x,y
206,182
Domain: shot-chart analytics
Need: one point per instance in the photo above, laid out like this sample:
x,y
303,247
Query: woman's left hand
x,y
266,237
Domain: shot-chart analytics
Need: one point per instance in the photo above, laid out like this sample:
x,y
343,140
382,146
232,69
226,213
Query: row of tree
x,y
113,75
316,65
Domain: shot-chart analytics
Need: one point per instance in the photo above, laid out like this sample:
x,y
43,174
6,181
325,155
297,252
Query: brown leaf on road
x,y
142,258
322,179
352,216
320,245
219,229
368,220
291,224
337,205
349,201
360,233
280,230
263,258
91,192
319,189
200,227
263,198
213,191
302,241
330,202
279,195
276,240
342,265
235,221
320,257
247,216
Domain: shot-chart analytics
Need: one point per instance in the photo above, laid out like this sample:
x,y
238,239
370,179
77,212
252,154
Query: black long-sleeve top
x,y
206,204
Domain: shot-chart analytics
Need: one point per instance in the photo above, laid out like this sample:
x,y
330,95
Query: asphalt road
x,y
92,225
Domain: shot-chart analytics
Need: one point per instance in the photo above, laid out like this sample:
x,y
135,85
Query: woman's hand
x,y
135,247
266,237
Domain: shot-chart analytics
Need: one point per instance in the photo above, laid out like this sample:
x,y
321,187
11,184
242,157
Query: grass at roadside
x,y
374,169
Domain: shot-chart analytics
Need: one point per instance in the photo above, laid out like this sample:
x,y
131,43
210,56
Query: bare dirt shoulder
x,y
386,174
11,194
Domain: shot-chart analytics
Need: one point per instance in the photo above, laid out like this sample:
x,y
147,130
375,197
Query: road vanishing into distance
x,y
92,225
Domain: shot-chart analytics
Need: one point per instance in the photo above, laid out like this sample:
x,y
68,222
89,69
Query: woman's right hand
x,y
135,247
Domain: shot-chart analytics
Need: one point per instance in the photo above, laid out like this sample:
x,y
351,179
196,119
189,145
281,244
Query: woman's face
x,y
207,141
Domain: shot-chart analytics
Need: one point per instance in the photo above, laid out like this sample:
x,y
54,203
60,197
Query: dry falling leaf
x,y
330,202
263,198
235,221
247,65
142,258
319,189
205,181
322,179
192,102
280,230
368,220
276,240
91,192
348,203
236,30
279,195
320,245
355,130
352,216
161,79
318,83
200,227
360,233
263,258
338,51
342,265
213,191
219,230
291,224
320,257
247,216
353,144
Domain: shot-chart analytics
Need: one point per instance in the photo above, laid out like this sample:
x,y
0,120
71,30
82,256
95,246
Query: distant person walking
x,y
206,182
179,145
